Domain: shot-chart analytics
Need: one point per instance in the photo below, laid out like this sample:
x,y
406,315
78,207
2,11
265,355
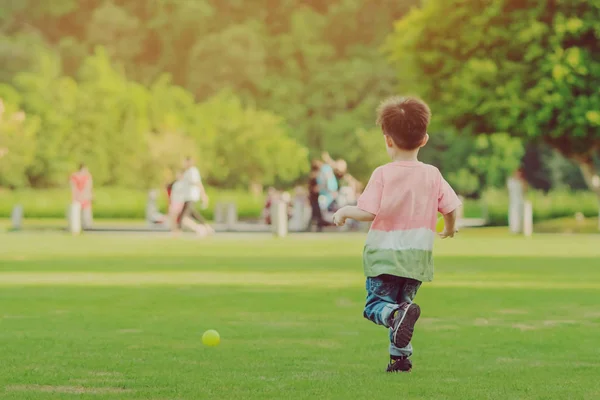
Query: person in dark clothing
x,y
313,197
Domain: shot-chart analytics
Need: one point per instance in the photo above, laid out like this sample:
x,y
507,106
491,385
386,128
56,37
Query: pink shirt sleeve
x,y
448,201
370,199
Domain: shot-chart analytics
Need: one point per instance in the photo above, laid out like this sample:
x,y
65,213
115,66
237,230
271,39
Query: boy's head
x,y
404,122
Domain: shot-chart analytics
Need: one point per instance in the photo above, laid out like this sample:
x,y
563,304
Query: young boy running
x,y
402,199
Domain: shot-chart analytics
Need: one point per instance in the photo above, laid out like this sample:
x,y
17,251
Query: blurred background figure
x,y
176,193
81,192
328,186
272,196
153,215
194,193
314,192
300,216
349,187
177,197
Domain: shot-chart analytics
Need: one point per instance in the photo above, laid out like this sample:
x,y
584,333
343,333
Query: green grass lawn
x,y
121,316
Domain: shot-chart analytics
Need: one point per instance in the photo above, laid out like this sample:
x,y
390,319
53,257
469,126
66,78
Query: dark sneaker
x,y
399,365
404,322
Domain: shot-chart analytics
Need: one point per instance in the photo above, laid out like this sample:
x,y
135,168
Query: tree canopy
x,y
253,89
261,79
527,68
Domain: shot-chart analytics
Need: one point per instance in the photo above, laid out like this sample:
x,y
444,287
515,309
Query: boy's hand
x,y
447,233
339,218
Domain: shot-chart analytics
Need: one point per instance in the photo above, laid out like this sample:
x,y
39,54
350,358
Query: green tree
x,y
232,58
473,164
17,144
248,145
304,61
529,68
118,31
53,98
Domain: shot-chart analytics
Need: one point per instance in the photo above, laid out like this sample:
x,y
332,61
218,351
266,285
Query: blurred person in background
x,y
349,192
272,196
328,185
153,215
81,192
177,192
194,192
176,195
314,191
350,187
299,220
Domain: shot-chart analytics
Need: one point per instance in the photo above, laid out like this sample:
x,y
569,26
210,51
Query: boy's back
x,y
405,197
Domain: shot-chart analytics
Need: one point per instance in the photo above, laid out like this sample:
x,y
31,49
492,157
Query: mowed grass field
x,y
121,317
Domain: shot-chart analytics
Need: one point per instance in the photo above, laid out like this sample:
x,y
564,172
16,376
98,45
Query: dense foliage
x,y
253,89
248,87
527,68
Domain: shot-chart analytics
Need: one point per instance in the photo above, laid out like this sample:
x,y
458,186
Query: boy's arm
x,y
449,225
448,203
352,212
368,203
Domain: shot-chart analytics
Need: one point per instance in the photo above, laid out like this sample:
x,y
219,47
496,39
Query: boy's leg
x,y
382,294
406,294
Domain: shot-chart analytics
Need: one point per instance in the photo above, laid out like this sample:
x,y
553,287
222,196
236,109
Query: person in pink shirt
x,y
81,192
402,199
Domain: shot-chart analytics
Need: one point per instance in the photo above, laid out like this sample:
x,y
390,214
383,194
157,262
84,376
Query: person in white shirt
x,y
176,201
193,191
177,194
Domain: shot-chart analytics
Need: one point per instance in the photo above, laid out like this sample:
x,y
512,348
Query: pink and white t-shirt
x,y
405,197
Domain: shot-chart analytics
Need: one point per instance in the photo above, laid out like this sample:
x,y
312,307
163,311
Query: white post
x,y
17,217
279,220
87,218
298,214
516,200
528,219
231,215
74,215
218,217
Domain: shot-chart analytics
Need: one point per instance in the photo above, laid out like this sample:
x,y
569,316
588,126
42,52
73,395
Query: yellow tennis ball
x,y
211,338
439,227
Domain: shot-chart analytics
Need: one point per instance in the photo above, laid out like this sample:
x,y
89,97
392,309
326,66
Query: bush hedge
x,y
556,204
115,203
